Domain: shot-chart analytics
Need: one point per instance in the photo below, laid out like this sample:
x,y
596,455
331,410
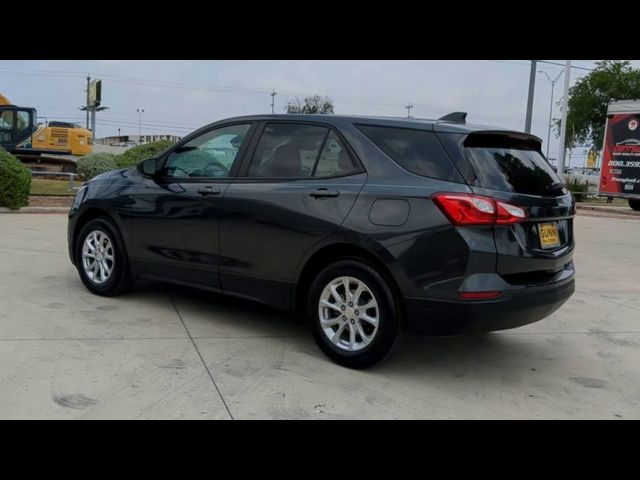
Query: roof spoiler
x,y
455,117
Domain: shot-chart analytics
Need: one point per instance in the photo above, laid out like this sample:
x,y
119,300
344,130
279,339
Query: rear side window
x,y
417,151
334,161
289,150
502,162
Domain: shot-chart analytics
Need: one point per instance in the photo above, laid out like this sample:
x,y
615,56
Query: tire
x,y
382,340
119,279
634,204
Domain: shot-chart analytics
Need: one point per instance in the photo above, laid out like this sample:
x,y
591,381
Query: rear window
x,y
502,162
417,151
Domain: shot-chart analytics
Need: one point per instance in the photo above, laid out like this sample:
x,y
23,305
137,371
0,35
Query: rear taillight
x,y
467,209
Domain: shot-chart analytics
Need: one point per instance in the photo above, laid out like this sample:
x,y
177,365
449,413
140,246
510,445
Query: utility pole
x,y
140,112
553,84
273,100
409,107
87,104
532,86
563,122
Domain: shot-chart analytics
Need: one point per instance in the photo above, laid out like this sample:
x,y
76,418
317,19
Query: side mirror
x,y
148,167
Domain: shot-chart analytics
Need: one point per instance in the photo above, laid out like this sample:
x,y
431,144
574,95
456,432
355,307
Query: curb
x,y
58,210
594,214
615,210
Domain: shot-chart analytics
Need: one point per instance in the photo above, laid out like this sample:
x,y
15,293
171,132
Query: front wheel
x,y
354,315
101,258
634,204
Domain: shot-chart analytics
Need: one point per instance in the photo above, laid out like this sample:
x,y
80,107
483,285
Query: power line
x,y
118,116
562,65
146,126
511,62
255,90
191,86
132,123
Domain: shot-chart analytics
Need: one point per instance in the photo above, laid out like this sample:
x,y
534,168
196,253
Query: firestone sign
x,y
153,138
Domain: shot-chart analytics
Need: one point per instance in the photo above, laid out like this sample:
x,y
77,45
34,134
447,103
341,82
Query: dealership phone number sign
x,y
620,172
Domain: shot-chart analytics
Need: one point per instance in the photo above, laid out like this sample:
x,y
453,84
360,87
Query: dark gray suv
x,y
366,225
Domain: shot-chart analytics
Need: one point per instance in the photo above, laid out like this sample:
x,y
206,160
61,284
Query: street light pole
x,y
563,121
140,112
532,86
87,107
553,84
273,100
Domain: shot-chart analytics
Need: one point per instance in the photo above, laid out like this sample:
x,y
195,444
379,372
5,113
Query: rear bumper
x,y
512,309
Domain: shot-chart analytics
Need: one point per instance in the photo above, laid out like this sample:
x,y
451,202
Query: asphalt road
x,y
170,352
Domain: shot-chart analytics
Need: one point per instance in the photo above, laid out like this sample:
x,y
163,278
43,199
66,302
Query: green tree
x,y
94,164
589,97
311,104
138,153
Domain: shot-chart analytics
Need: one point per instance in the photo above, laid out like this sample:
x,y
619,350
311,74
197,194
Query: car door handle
x,y
324,193
204,191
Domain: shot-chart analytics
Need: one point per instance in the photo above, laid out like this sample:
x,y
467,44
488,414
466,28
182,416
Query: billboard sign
x,y
620,169
95,93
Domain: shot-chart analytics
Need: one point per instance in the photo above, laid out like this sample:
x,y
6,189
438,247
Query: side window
x,y
210,155
334,160
6,126
287,150
417,151
22,124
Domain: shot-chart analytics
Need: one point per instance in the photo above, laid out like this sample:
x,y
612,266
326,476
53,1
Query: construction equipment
x,y
21,135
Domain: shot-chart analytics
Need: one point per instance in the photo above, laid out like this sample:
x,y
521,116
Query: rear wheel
x,y
101,259
634,203
353,312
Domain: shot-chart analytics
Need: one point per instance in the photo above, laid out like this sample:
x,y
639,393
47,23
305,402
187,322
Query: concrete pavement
x,y
163,351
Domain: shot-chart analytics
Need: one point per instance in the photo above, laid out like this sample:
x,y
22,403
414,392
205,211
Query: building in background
x,y
132,140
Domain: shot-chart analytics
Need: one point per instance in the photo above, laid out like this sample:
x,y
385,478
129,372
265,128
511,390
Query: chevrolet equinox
x,y
365,225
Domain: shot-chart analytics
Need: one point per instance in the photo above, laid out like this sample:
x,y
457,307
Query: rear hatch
x,y
510,167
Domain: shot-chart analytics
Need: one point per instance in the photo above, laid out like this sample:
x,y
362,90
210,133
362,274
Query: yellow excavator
x,y
21,135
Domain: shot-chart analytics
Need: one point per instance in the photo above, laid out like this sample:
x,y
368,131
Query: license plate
x,y
549,235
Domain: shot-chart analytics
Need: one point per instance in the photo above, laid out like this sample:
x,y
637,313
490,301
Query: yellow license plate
x,y
549,235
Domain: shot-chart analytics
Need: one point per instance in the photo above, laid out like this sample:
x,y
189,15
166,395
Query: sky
x,y
180,96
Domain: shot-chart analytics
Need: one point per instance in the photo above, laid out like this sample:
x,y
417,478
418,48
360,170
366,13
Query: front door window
x,y
211,155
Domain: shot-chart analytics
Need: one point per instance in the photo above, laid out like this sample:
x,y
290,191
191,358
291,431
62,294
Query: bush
x,y
136,154
94,164
15,182
578,187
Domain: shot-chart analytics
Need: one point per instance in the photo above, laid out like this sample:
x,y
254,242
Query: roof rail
x,y
456,117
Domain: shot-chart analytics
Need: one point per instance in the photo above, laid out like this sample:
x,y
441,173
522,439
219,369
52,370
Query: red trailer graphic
x,y
620,168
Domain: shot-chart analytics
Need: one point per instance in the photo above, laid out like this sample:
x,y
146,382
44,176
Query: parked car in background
x,y
366,225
